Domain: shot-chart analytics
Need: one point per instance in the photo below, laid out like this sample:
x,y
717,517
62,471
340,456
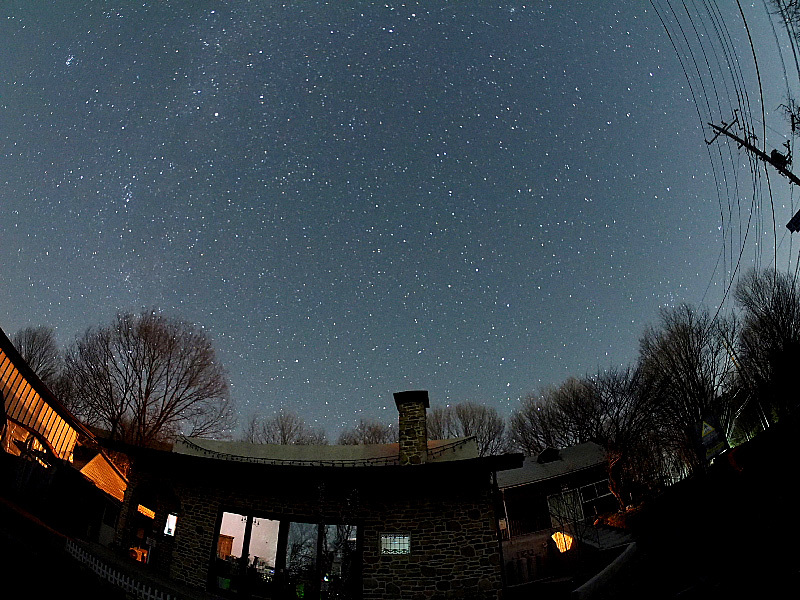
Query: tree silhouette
x,y
557,417
368,432
612,409
469,419
769,342
285,427
689,368
38,347
147,377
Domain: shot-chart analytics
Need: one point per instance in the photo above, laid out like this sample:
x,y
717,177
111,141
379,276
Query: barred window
x,y
395,543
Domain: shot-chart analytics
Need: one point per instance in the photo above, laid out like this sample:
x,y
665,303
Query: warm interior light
x,y
146,511
563,541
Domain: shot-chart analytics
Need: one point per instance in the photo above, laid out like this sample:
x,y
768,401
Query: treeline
x,y
143,378
147,377
694,369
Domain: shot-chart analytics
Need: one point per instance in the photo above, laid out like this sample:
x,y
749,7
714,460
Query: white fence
x,y
141,590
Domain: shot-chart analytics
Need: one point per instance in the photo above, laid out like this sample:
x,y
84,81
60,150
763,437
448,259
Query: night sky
x,y
354,199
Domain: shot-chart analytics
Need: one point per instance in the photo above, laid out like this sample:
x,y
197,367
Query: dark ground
x,y
34,563
732,533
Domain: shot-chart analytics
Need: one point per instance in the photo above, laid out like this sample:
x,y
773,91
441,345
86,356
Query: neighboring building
x,y
49,460
550,508
37,423
415,519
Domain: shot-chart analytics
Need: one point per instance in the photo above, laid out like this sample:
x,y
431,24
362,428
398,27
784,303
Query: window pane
x,y
231,536
229,550
564,508
172,522
261,557
340,576
395,543
301,550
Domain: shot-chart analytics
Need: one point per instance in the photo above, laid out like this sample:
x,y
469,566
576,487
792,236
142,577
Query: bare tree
x,y
638,461
368,432
789,11
285,427
612,409
469,419
147,377
38,348
483,422
768,343
438,423
689,366
556,417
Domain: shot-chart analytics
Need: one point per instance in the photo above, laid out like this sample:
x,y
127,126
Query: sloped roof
x,y
31,405
105,476
322,455
570,460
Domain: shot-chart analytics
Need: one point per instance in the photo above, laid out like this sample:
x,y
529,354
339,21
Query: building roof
x,y
204,461
322,455
30,404
105,476
567,460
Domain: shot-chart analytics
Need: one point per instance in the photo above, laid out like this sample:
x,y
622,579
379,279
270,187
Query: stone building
x,y
416,519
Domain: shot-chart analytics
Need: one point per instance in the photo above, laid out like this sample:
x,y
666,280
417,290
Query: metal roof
x,y
570,460
321,455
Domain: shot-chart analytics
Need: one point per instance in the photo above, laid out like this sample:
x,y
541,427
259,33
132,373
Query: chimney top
x,y
412,429
412,396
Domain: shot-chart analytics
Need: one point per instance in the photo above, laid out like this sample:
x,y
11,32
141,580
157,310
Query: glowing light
x,y
146,511
172,522
563,541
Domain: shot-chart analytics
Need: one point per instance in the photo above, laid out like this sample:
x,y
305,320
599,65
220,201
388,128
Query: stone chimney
x,y
412,427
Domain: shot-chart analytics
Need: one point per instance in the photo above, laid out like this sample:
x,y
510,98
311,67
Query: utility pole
x,y
775,158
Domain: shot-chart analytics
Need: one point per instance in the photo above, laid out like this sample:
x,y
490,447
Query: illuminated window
x,y
146,511
304,554
563,541
395,543
172,521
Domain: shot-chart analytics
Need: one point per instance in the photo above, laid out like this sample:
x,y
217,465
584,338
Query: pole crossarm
x,y
777,160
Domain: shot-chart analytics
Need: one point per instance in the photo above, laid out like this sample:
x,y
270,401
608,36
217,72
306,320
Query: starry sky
x,y
359,198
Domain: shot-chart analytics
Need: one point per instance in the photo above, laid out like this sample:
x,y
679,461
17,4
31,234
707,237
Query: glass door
x,y
275,559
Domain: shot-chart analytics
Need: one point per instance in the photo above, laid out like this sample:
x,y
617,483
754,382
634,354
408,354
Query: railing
x,y
535,555
354,462
140,589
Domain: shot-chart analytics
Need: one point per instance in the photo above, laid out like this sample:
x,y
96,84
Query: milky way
x,y
360,198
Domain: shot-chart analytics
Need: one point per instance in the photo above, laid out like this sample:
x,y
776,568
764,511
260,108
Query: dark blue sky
x,y
360,198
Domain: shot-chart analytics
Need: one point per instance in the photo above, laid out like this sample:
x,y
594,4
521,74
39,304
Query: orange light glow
x,y
563,541
146,511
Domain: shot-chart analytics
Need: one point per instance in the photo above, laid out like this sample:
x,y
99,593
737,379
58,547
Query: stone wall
x,y
454,548
412,426
454,551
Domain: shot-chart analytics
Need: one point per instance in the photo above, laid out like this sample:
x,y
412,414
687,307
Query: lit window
x,y
395,543
172,521
563,541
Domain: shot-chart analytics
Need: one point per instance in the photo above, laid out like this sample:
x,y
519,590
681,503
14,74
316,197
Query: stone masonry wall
x,y
454,549
454,552
412,433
